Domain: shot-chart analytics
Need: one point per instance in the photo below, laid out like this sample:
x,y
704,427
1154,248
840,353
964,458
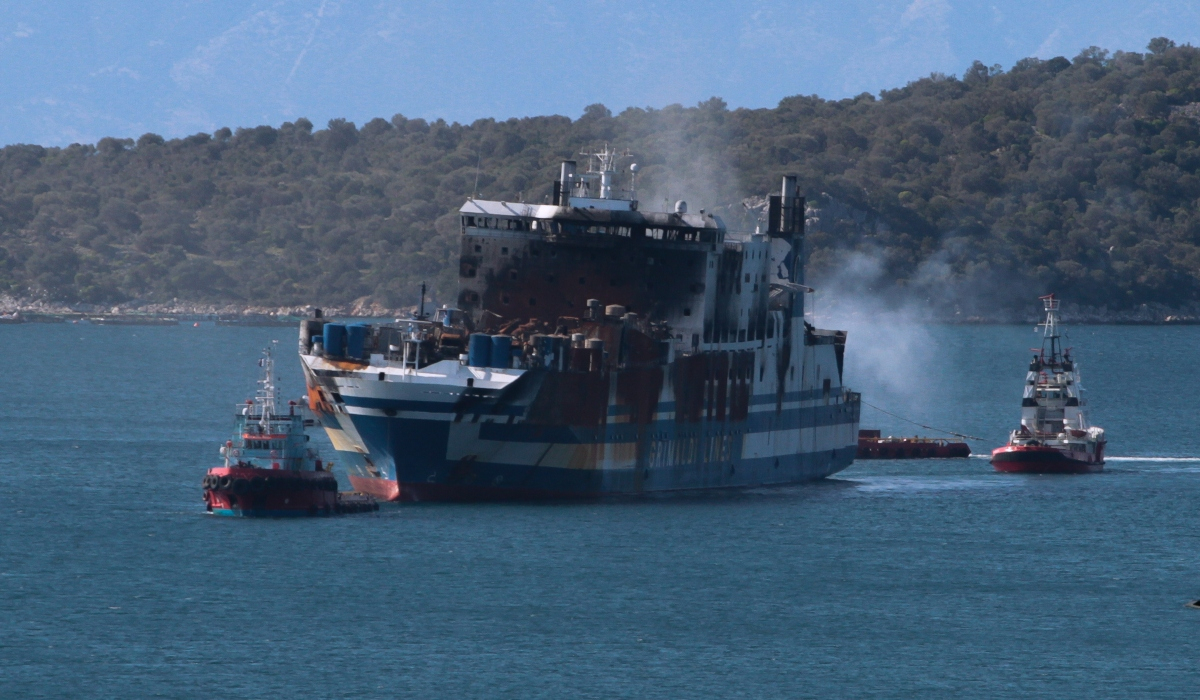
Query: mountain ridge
x,y
1077,176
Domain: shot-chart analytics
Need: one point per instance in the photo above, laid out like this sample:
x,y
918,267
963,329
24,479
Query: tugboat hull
x,y
1044,460
269,493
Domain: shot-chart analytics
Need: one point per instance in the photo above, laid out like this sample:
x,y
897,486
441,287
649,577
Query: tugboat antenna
x,y
1051,328
266,395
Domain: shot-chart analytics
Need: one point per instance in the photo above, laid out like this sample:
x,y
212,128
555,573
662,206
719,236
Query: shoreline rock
x,y
1074,314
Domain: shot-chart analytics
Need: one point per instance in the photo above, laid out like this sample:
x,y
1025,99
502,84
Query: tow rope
x,y
922,425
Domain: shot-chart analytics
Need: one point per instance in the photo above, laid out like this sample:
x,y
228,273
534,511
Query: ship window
x,y
747,278
478,249
504,251
687,312
761,370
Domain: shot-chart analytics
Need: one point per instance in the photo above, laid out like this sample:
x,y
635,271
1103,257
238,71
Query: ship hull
x,y
1044,460
901,449
269,493
780,441
481,481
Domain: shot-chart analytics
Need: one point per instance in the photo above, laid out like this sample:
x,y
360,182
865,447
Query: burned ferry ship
x,y
595,349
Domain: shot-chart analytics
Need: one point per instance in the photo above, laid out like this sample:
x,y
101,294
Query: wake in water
x,y
1152,459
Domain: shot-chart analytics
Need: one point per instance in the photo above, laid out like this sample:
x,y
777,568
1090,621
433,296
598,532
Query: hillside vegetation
x,y
1078,176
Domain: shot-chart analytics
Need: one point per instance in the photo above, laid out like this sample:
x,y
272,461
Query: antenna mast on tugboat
x,y
421,309
266,395
1050,332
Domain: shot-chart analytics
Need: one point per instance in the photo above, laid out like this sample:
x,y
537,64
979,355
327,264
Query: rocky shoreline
x,y
13,309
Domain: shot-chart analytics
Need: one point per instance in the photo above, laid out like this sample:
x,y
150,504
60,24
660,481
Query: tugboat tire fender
x,y
223,482
240,486
258,484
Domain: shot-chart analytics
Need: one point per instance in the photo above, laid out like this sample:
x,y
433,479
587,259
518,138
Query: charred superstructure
x,y
595,349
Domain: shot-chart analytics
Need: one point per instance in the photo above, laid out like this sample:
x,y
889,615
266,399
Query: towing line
x,y
922,425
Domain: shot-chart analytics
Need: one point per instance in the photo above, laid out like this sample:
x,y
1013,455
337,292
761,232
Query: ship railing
x,y
405,341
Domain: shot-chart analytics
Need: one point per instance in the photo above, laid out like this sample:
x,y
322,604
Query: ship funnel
x,y
785,211
565,178
789,187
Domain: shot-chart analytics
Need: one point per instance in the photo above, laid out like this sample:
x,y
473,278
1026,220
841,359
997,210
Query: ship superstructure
x,y
594,349
1054,436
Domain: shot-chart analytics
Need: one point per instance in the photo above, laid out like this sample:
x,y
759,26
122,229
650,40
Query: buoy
x,y
196,324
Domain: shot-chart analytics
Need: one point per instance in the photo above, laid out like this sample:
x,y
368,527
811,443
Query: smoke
x,y
891,351
685,156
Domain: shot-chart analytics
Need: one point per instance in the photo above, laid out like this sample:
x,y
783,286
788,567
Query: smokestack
x,y
789,187
791,215
566,178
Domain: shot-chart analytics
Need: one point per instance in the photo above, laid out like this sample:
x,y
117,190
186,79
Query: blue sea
x,y
895,579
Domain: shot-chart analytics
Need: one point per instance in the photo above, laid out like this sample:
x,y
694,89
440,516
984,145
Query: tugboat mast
x,y
1050,330
266,397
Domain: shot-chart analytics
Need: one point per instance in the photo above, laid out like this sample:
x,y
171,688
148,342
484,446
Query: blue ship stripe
x,y
433,406
490,409
813,416
761,471
374,430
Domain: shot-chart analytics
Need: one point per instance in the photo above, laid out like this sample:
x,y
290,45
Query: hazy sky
x,y
77,70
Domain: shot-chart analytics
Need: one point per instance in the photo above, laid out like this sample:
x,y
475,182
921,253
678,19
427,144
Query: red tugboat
x,y
1054,437
270,471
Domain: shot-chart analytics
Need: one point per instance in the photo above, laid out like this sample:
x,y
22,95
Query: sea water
x,y
895,579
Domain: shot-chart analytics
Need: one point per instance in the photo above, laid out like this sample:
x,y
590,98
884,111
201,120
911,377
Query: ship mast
x,y
265,397
1050,330
606,173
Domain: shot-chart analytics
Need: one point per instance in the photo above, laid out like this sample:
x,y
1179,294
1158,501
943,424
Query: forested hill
x,y
1077,176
